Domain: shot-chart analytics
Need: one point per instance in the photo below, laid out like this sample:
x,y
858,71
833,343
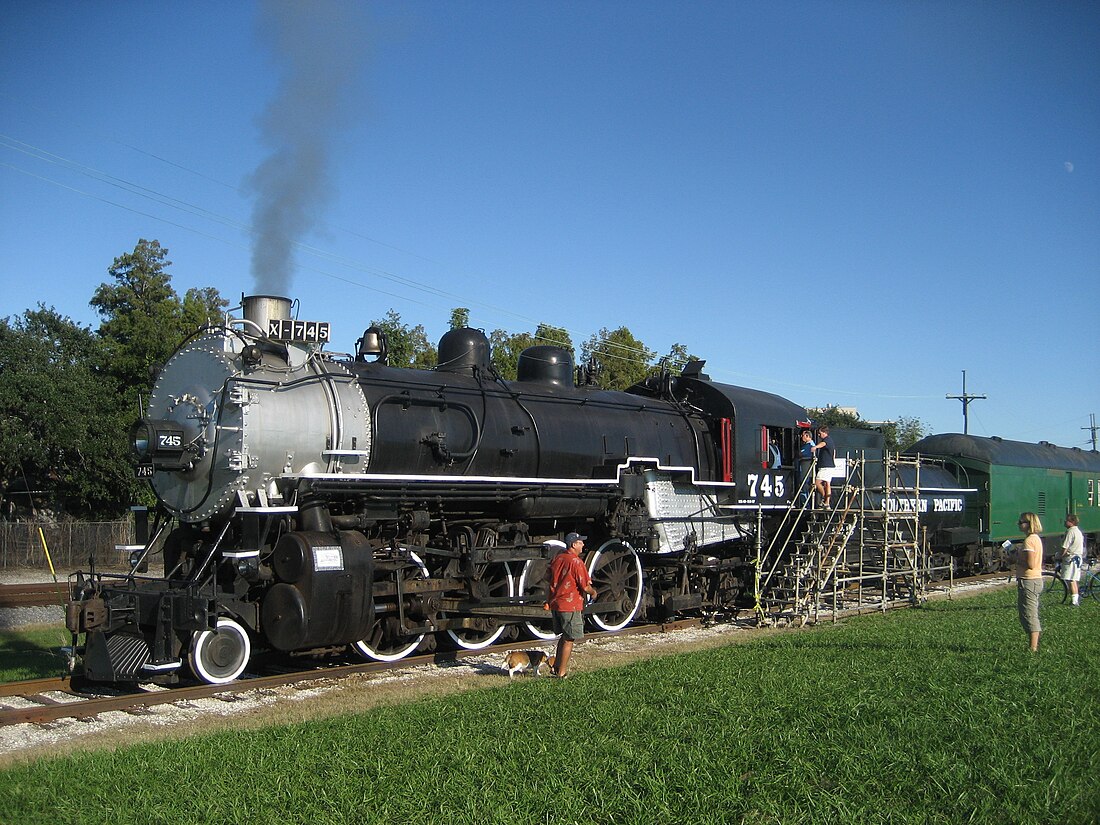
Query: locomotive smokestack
x,y
260,309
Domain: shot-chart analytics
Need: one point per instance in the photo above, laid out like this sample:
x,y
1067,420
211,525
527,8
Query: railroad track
x,y
42,701
37,594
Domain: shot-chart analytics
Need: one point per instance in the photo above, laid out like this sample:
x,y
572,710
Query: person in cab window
x,y
806,465
775,457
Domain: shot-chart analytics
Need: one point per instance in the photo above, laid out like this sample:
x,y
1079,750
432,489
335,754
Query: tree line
x,y
69,394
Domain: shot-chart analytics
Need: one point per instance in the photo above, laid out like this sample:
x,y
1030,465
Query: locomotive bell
x,y
373,343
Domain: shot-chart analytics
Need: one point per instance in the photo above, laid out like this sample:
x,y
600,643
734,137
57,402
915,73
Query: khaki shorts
x,y
1071,569
569,625
1027,602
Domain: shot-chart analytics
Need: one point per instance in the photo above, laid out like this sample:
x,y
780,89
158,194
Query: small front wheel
x,y
219,656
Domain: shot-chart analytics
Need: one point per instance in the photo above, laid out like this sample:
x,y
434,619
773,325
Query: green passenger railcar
x,y
1014,477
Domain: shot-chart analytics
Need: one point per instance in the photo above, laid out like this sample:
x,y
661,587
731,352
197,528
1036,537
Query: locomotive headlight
x,y
160,443
252,355
138,563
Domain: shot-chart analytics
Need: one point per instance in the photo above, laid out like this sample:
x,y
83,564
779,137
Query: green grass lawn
x,y
931,715
32,653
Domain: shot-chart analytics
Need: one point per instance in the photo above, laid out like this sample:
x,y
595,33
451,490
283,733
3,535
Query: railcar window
x,y
787,442
775,446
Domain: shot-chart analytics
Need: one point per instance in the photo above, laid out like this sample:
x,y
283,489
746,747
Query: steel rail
x,y
36,594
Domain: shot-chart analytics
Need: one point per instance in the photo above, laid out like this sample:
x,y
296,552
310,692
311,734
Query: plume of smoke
x,y
319,49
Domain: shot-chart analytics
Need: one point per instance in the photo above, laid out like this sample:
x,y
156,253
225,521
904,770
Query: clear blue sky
x,y
841,202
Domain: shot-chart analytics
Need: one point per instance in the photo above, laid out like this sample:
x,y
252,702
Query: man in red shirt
x,y
568,581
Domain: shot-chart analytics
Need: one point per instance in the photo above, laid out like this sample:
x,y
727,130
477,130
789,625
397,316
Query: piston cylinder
x,y
323,595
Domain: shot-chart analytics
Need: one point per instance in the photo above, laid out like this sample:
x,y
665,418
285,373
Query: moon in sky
x,y
1068,165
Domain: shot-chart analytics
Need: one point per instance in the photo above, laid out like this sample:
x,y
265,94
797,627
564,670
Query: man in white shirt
x,y
1073,554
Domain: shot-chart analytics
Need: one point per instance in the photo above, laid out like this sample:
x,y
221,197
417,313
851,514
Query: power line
x,y
601,347
622,352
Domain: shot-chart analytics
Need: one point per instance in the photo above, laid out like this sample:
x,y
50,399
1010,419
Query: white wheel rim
x,y
466,644
598,619
533,629
367,652
200,644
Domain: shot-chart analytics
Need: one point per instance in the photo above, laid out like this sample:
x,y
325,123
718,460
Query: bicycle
x,y
1090,581
1056,589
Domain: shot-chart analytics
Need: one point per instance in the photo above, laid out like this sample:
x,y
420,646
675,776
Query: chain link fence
x,y
70,544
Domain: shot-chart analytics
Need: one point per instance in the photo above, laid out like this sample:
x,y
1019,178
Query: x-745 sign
x,y
309,332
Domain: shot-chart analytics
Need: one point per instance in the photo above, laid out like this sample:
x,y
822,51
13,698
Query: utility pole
x,y
1093,427
966,399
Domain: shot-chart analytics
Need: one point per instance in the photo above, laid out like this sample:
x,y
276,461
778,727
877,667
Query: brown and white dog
x,y
526,660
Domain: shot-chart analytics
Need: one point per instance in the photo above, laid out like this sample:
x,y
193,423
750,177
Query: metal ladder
x,y
803,555
864,551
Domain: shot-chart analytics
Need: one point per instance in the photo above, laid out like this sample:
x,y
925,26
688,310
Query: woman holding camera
x,y
1029,577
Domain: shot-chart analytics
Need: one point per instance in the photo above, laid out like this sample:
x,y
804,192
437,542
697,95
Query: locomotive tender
x,y
320,502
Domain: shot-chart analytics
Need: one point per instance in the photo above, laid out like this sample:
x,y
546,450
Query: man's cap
x,y
572,537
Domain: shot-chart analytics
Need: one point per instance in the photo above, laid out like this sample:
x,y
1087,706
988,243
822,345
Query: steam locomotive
x,y
312,502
